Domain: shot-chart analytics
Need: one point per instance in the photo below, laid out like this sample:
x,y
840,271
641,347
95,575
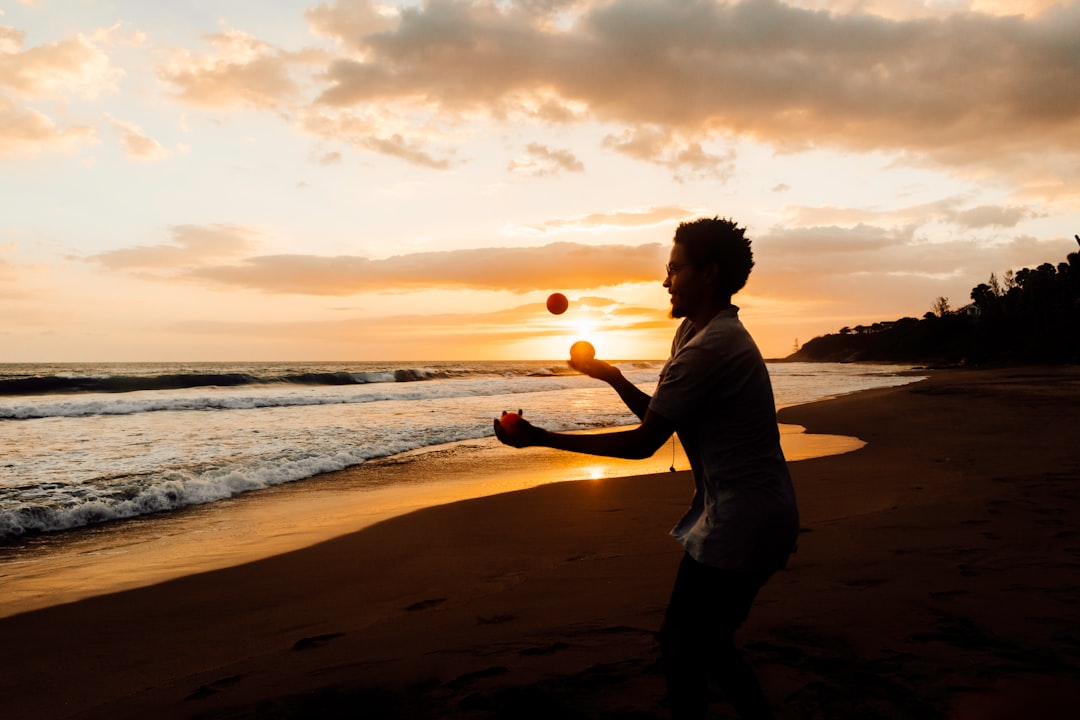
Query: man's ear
x,y
711,273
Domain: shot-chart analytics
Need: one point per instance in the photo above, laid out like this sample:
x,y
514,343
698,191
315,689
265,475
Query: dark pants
x,y
698,639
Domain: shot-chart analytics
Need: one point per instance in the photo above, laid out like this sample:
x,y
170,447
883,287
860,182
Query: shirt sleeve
x,y
696,381
678,397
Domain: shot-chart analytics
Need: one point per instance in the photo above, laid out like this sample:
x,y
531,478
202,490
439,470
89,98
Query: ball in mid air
x,y
582,351
557,303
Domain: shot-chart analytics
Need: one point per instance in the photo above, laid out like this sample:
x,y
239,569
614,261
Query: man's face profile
x,y
683,283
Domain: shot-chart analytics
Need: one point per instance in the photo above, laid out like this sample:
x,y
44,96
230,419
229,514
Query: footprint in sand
x,y
213,688
425,604
307,643
545,649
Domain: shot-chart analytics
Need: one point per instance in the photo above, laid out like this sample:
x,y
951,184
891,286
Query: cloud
x,y
991,216
540,160
74,67
384,134
966,85
460,331
26,131
910,9
621,219
825,241
874,271
687,158
947,210
349,22
963,89
136,144
11,40
569,266
240,71
191,245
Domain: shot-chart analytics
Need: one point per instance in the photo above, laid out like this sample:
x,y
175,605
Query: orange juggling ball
x,y
582,351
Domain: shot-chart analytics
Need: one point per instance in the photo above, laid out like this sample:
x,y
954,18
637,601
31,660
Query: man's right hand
x,y
596,369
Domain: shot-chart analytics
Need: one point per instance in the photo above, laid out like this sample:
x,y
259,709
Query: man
x,y
743,522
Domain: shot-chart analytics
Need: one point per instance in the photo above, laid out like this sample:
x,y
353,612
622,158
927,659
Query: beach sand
x,y
938,576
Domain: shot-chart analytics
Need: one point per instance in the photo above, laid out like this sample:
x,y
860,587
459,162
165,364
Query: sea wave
x,y
67,384
69,508
239,391
35,508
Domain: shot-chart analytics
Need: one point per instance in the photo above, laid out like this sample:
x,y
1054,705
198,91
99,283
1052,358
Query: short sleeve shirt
x,y
716,391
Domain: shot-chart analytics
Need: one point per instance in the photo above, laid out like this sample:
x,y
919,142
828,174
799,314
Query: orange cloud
x,y
350,22
191,245
910,9
540,160
380,133
947,210
241,71
136,144
25,131
878,270
991,216
485,335
621,219
686,157
983,90
961,89
569,266
72,68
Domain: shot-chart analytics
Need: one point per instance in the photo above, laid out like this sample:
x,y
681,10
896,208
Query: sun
x,y
583,330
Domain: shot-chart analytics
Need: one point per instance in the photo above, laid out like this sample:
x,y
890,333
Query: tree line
x,y
1030,316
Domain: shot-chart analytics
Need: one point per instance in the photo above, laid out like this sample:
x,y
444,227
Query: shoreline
x,y
938,575
123,555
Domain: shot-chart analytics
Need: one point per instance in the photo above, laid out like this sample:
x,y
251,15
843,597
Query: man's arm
x,y
634,444
634,398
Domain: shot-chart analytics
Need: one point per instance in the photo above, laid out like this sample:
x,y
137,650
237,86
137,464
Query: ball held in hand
x,y
557,303
582,351
510,423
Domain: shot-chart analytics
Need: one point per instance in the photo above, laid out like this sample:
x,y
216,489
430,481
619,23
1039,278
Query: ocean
x,y
86,444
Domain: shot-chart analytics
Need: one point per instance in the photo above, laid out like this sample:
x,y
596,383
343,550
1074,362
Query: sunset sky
x,y
359,180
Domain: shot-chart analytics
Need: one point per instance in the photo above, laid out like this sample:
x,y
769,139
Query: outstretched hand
x,y
595,368
515,431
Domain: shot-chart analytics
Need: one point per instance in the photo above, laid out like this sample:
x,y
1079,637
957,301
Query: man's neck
x,y
708,310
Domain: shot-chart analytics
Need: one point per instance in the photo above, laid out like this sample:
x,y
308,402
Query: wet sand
x,y
938,576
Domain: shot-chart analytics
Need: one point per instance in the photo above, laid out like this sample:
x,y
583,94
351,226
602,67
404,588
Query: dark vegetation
x,y
1030,316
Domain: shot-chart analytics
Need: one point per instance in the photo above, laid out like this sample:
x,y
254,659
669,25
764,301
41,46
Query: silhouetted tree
x,y
1032,315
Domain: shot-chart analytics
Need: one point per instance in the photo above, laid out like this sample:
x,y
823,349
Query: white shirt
x,y
716,390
